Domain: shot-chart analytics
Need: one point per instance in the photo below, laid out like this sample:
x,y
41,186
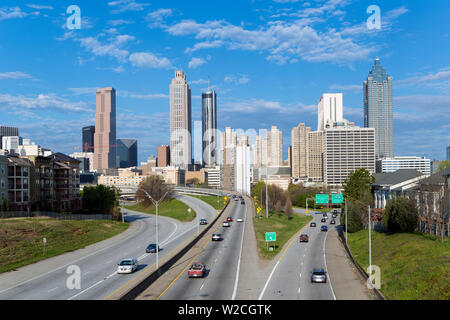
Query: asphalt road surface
x,y
98,270
290,278
222,259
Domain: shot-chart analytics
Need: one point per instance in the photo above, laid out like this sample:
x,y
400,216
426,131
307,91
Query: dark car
x,y
333,221
312,224
242,202
324,228
335,211
323,220
152,248
318,275
324,215
304,238
334,216
203,221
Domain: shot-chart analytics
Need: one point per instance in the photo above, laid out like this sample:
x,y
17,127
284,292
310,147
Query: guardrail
x,y
54,215
361,271
134,292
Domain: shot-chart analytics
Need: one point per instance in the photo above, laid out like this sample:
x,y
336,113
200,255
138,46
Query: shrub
x,y
401,215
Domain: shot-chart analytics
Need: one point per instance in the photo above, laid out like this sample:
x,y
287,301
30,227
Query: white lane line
x,y
202,286
298,290
81,292
268,280
300,275
239,261
52,289
325,259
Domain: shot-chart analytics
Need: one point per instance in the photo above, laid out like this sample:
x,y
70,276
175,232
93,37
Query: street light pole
x,y
346,226
267,195
370,246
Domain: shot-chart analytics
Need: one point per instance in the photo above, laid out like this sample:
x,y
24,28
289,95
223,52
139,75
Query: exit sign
x,y
322,198
337,198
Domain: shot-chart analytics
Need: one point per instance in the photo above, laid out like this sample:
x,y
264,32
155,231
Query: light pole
x,y
267,195
156,204
370,246
346,226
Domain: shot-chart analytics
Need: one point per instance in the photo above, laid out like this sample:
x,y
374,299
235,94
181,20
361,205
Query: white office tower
x,y
11,143
180,122
275,147
243,169
330,109
390,165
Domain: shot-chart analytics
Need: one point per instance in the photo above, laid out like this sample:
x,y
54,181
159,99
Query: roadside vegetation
x,y
217,203
413,266
21,240
172,208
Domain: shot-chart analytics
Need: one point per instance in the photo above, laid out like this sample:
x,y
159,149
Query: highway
x,y
290,279
98,270
222,259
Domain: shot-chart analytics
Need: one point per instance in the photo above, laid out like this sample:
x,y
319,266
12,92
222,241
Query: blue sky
x,y
269,61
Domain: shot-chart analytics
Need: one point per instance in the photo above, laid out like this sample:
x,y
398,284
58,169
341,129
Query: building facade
x,y
3,177
209,129
213,177
7,132
163,156
126,153
243,169
299,150
18,176
330,108
378,109
389,165
180,122
11,143
315,156
87,143
105,129
347,148
275,147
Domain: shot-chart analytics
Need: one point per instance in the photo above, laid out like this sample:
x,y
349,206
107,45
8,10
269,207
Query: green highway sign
x,y
337,198
322,198
271,236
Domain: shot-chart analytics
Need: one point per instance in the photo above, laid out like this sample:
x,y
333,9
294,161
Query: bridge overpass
x,y
130,191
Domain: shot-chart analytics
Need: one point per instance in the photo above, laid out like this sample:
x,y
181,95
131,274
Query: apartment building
x,y
315,156
299,152
389,165
18,176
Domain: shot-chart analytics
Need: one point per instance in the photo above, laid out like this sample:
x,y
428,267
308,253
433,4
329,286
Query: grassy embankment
x,y
217,203
21,240
173,208
285,229
413,266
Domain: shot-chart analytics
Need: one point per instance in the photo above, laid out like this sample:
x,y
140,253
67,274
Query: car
x,y
236,199
229,219
216,237
197,270
333,221
335,211
312,224
242,202
128,265
323,220
240,220
152,248
324,228
325,215
334,216
318,275
203,221
226,224
304,238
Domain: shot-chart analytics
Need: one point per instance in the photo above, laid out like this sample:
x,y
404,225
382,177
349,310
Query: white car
x,y
240,220
226,224
128,265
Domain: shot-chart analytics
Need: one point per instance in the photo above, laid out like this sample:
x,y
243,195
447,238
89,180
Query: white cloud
x,y
196,62
39,7
11,13
119,22
99,49
239,79
347,87
439,80
41,102
149,60
15,75
156,18
81,91
127,5
150,96
124,38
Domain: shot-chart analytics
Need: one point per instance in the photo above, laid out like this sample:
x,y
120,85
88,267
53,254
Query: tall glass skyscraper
x,y
209,129
88,139
378,109
126,153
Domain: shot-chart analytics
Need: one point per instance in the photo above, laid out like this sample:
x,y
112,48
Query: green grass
x,y
212,200
284,228
21,240
413,266
173,208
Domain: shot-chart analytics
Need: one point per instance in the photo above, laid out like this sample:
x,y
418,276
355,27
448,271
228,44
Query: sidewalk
x,y
345,279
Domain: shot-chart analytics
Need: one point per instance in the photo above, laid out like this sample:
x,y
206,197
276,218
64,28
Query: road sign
x,y
271,236
226,198
337,198
258,209
44,240
307,211
322,198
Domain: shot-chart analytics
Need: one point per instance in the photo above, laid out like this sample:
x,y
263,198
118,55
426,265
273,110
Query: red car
x,y
197,270
229,219
304,238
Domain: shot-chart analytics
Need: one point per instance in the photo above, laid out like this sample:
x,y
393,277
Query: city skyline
x,y
282,91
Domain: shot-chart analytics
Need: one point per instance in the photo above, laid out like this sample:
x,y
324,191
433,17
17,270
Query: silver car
x,y
319,275
128,265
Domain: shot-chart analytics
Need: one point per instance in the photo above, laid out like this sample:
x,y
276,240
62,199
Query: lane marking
x,y
202,286
52,289
325,258
95,284
268,280
240,254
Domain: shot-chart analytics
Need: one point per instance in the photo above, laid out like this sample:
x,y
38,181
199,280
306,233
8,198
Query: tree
x,y
401,215
355,217
275,194
288,208
100,199
155,187
278,206
443,165
5,205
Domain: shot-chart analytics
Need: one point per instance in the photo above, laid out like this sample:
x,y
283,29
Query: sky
x,y
269,62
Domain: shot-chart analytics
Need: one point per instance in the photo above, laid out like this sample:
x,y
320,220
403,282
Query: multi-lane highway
x,y
290,279
99,278
222,260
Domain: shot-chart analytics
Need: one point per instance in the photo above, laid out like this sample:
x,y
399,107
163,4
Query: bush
x,y
355,213
401,215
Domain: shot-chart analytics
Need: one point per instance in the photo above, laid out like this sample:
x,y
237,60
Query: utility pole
x,y
346,225
267,194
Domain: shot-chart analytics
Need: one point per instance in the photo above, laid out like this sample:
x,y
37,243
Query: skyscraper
x,y
163,159
180,122
126,153
378,109
105,129
315,155
448,153
209,129
330,109
88,139
8,132
300,151
275,147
